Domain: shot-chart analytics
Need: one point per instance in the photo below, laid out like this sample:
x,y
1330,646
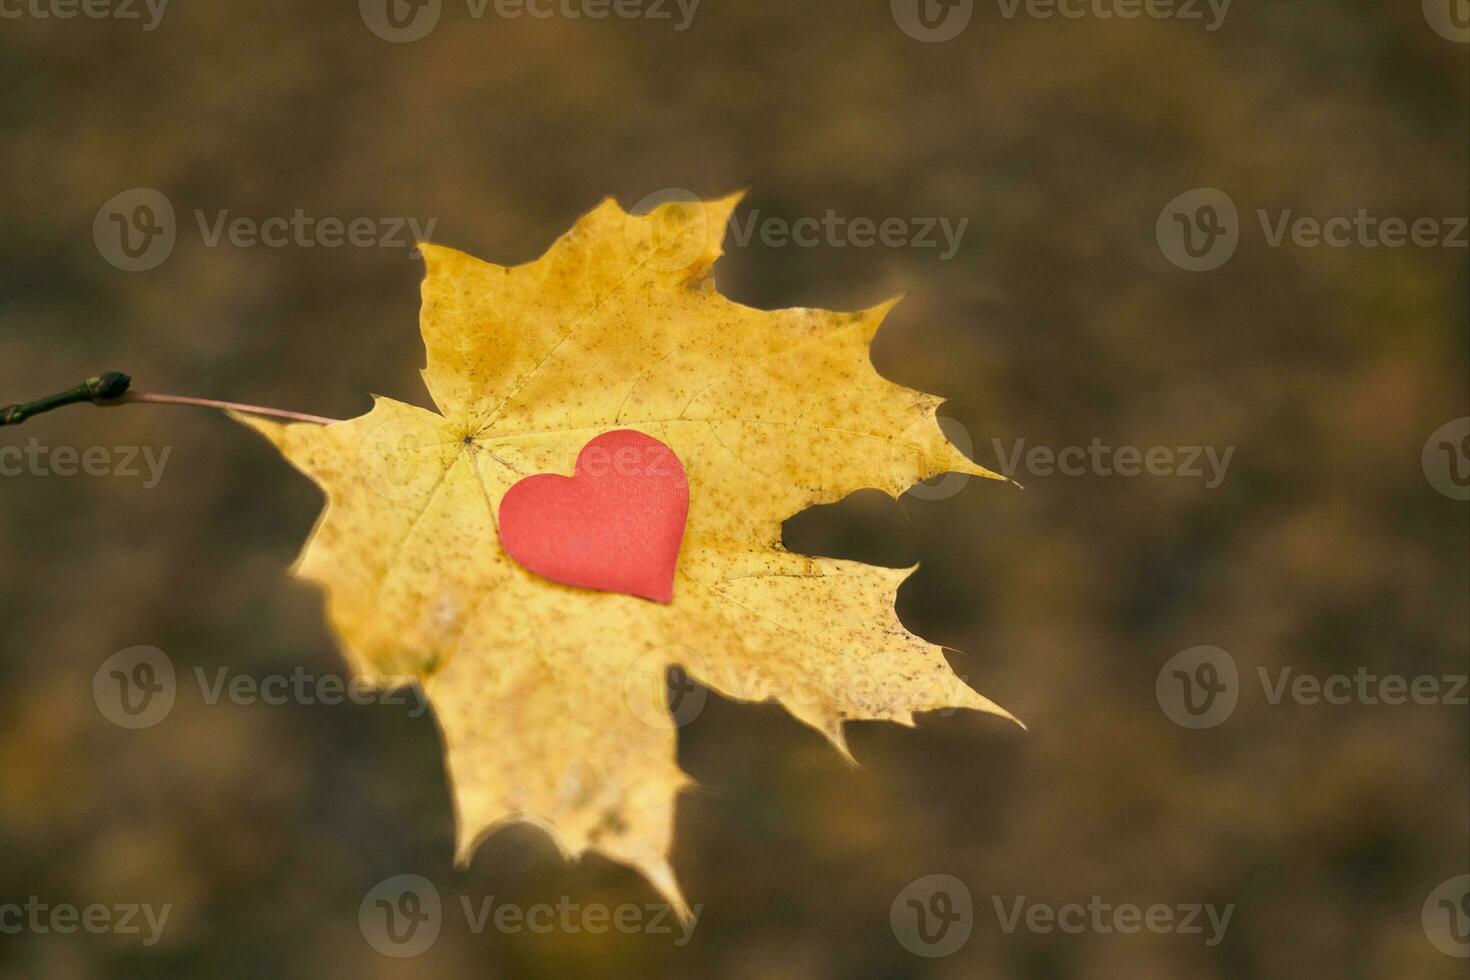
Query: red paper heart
x,y
615,525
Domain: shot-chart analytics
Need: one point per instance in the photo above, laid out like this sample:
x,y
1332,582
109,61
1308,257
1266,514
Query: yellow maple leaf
x,y
552,698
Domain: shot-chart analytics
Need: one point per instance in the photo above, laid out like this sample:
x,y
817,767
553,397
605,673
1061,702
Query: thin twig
x,y
110,389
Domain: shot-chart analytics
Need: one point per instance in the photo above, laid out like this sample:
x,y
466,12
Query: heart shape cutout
x,y
615,525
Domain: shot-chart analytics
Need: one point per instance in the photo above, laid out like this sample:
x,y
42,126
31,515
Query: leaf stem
x,y
149,398
111,389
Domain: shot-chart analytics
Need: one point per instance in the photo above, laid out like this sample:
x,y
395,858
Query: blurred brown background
x,y
1061,319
